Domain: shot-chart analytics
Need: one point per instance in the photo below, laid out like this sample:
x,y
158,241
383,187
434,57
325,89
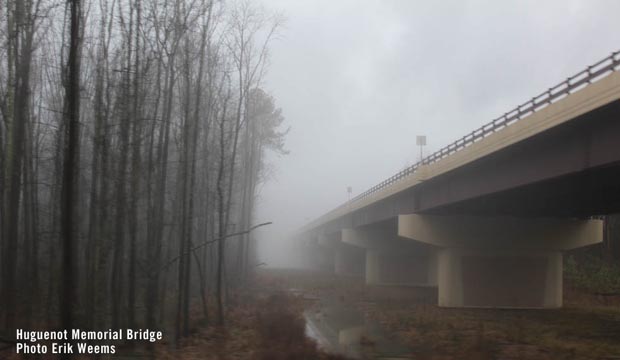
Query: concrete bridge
x,y
487,218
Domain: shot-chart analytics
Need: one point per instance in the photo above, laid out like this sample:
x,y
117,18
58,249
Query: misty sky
x,y
357,80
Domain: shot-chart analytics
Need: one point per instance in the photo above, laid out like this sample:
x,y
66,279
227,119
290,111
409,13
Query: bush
x,y
593,274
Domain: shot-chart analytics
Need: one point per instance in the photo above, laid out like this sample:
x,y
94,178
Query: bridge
x,y
487,218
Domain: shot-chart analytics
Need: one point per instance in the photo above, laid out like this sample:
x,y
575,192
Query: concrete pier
x,y
502,262
391,260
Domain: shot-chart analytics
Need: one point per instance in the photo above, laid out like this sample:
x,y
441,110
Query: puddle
x,y
340,329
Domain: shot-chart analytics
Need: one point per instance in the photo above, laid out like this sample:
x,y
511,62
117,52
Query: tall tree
x,y
22,17
70,169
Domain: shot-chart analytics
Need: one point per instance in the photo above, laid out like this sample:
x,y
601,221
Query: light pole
x,y
420,140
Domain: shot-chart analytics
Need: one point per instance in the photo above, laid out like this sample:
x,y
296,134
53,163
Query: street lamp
x,y
420,140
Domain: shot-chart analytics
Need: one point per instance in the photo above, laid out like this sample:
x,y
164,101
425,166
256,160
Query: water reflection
x,y
341,329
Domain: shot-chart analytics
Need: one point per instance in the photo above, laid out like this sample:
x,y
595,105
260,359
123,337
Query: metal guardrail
x,y
576,82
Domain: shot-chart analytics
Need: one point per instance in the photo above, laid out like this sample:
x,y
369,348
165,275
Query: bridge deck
x,y
578,95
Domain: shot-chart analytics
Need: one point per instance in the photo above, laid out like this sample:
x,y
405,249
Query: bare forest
x,y
132,143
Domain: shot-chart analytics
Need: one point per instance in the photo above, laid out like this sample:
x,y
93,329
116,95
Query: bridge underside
x,y
569,171
580,195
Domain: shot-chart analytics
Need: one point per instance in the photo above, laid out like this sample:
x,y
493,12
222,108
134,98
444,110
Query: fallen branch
x,y
188,252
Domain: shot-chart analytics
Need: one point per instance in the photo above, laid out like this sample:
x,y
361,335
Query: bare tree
x,y
70,169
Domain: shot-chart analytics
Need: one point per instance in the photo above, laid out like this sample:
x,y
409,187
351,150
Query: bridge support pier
x,y
400,268
500,262
480,278
349,260
393,261
343,259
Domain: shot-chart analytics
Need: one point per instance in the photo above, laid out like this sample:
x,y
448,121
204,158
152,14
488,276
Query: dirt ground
x,y
267,323
264,322
588,327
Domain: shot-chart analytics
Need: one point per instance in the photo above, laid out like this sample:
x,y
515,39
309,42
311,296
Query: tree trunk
x,y
70,170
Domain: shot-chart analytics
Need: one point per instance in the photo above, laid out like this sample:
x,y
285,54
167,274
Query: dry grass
x,y
261,327
587,328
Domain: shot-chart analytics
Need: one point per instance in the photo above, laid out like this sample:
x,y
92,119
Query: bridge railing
x,y
574,83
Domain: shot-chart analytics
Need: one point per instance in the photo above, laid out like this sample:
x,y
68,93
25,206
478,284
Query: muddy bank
x,y
265,323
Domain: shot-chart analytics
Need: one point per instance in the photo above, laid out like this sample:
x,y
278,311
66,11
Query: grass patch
x,y
593,274
584,329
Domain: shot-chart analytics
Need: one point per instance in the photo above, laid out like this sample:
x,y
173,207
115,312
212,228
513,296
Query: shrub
x,y
593,274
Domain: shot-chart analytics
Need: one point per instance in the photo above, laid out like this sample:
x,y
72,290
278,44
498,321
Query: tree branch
x,y
176,258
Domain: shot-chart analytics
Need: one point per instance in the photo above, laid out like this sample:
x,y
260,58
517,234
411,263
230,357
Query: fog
x,y
358,80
